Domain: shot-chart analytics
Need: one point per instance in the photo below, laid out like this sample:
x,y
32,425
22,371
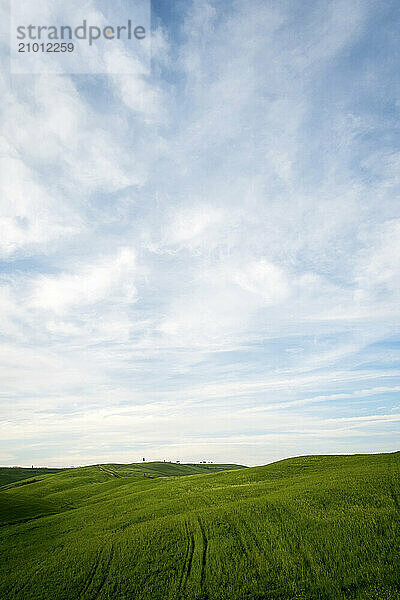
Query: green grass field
x,y
317,527
166,469
11,474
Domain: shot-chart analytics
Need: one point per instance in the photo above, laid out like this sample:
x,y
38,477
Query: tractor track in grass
x,y
256,552
249,545
97,564
106,573
187,564
92,573
204,552
109,472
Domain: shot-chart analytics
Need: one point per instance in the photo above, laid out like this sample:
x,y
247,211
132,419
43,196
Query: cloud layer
x,y
203,262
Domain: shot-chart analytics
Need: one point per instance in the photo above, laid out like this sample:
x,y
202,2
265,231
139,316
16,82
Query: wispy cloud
x,y
203,261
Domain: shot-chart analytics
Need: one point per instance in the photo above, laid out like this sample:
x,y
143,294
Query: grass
x,y
317,527
166,469
12,474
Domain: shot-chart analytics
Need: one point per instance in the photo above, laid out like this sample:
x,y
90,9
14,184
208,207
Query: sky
x,y
200,260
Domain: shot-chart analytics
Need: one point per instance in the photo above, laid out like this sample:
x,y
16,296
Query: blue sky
x,y
202,261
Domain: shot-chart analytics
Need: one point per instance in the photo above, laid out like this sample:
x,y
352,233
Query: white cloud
x,y
264,279
107,279
378,269
193,226
205,255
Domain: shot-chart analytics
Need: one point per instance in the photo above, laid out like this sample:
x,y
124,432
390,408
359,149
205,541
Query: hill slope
x,y
166,469
311,527
11,474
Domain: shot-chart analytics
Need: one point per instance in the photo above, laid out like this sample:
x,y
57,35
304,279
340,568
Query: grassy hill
x,y
166,469
11,474
317,527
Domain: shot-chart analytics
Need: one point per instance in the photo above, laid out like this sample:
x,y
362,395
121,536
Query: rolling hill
x,y
166,469
315,527
11,474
